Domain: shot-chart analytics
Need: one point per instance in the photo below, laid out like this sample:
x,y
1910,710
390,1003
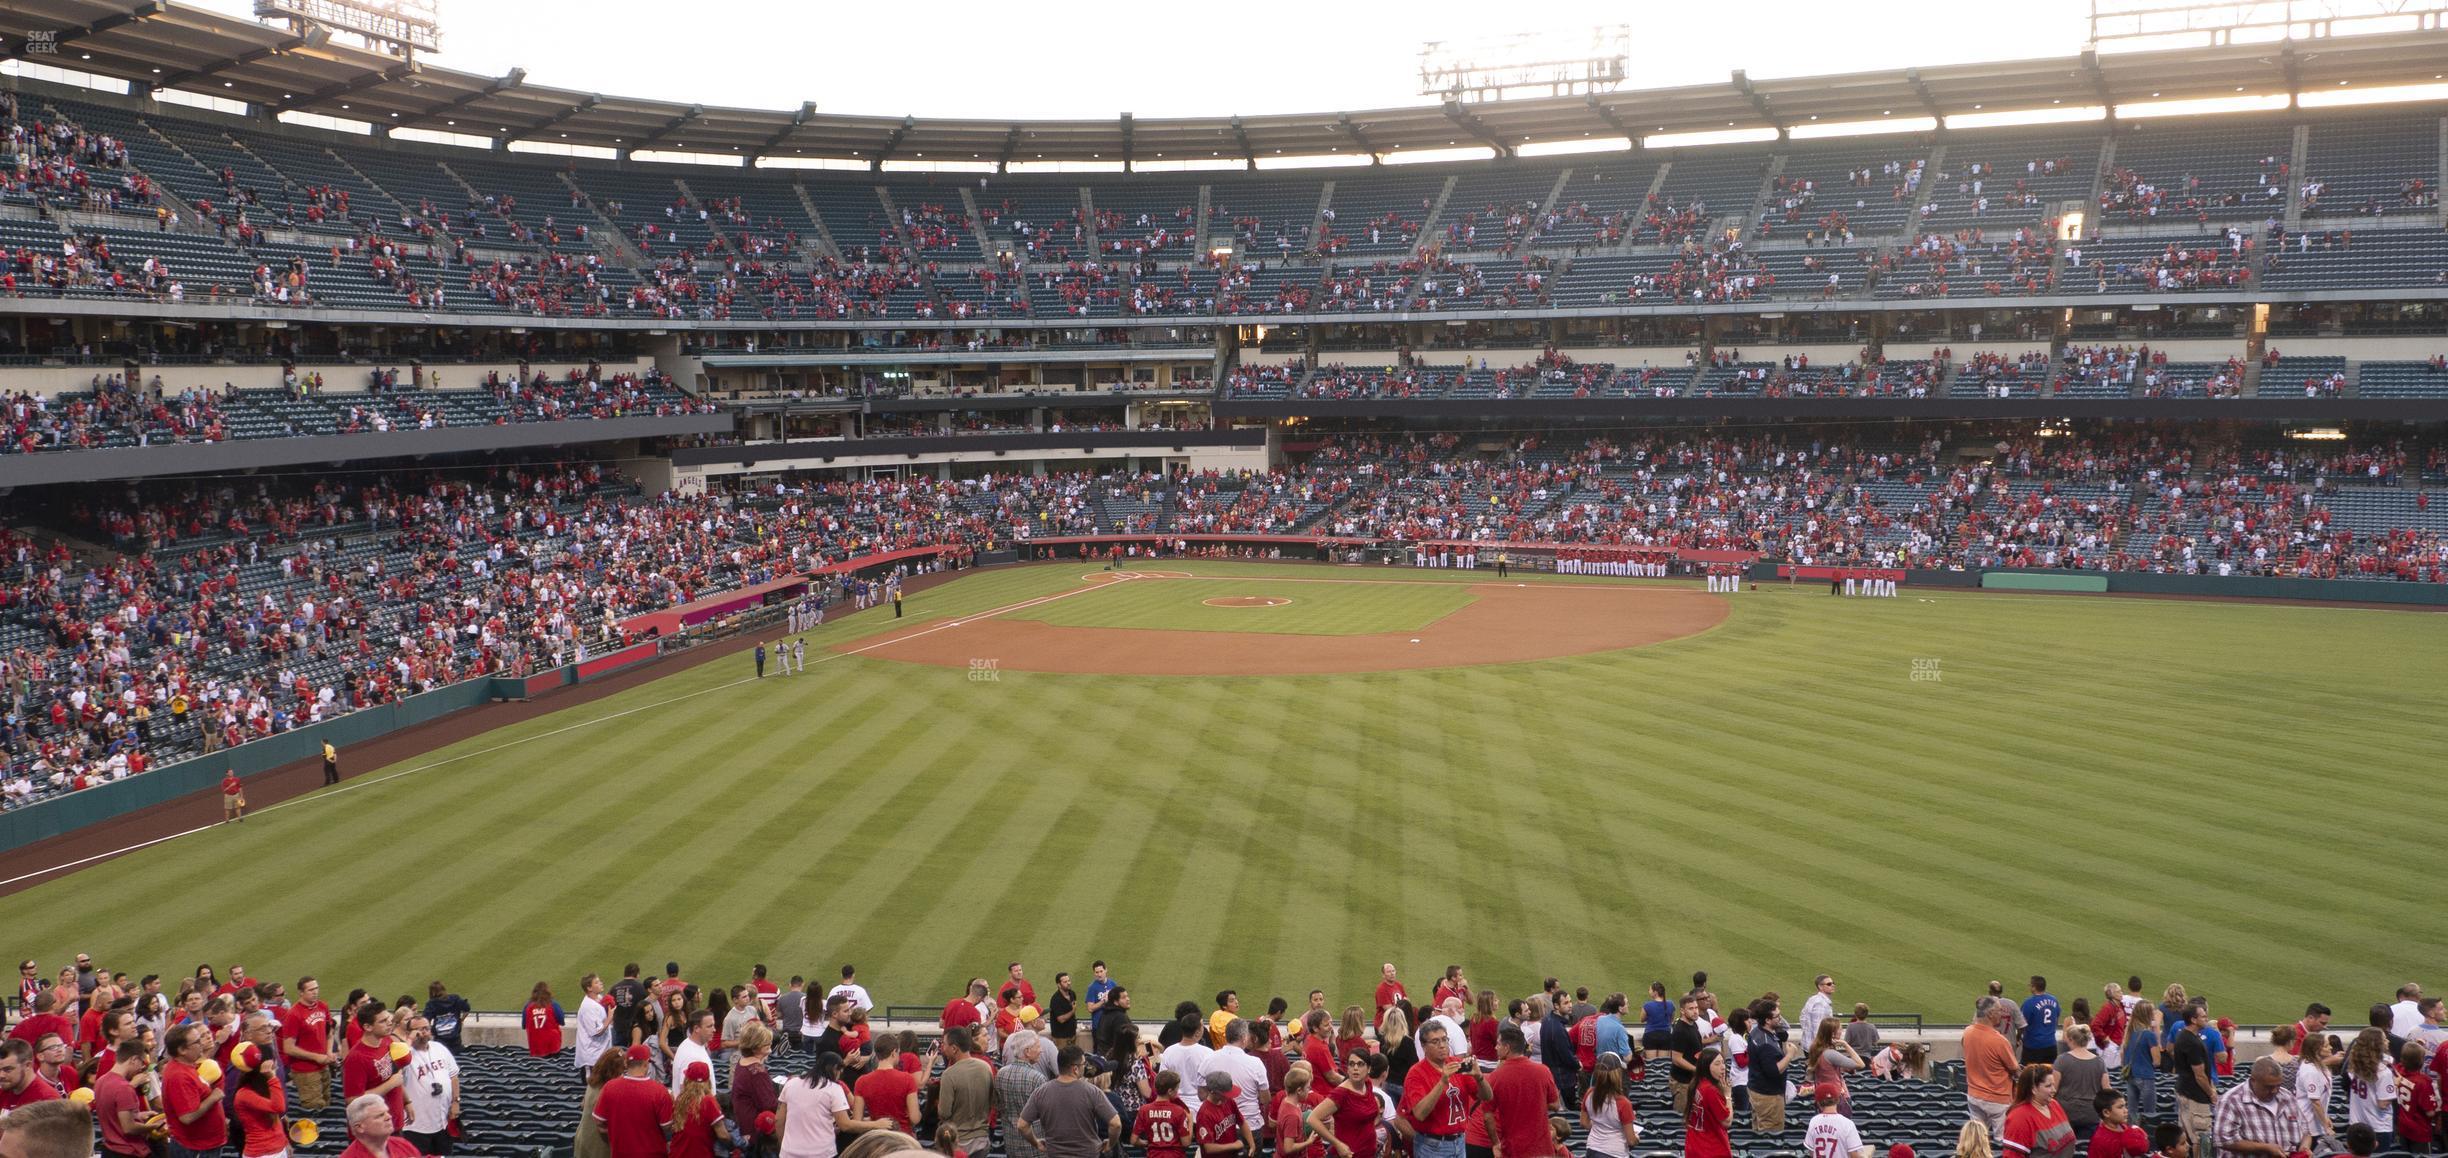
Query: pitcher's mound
x,y
1246,601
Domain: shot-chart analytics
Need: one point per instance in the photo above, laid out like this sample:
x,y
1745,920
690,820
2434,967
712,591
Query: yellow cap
x,y
209,1070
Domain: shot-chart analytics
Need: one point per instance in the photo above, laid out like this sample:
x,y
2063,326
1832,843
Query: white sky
x,y
1093,59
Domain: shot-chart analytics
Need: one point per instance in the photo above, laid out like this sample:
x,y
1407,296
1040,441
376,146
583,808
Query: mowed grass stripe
x,y
2094,787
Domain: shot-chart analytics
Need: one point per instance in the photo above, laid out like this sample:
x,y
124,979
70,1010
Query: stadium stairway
x,y
825,245
1436,214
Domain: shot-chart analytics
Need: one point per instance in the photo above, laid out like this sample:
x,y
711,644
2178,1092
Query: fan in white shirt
x,y
1188,1058
849,987
1249,1075
1832,1135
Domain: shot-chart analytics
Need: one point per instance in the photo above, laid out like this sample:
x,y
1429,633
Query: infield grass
x,y
2218,794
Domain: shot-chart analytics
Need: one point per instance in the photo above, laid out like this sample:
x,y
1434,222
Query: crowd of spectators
x,y
1985,187
64,165
2126,193
115,411
2018,262
112,410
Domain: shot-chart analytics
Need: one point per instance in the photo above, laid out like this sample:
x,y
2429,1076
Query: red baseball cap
x,y
1828,1091
697,1072
639,1053
1899,1150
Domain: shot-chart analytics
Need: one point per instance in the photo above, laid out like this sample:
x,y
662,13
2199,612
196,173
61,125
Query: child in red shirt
x,y
2117,1136
2419,1106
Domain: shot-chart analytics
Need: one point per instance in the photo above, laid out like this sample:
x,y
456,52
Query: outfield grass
x,y
2231,796
1315,608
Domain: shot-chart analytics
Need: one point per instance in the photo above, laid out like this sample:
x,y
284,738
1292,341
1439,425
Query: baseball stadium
x,y
1557,611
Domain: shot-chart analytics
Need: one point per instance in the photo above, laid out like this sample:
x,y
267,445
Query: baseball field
x,y
1251,775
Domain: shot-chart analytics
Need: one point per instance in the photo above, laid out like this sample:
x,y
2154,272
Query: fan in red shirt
x,y
543,1020
1348,1116
1706,1126
260,1104
1453,985
44,1019
1585,1044
2418,1106
1523,1093
635,1110
1389,991
1318,1051
890,1092
1441,1089
1219,1127
114,1096
191,1104
52,1064
372,1065
305,1037
1028,992
695,1113
964,1010
2116,1135
1164,1123
19,1084
89,1027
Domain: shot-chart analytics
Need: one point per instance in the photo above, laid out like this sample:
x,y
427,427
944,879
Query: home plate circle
x,y
1247,601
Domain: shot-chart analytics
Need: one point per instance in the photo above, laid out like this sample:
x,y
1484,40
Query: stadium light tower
x,y
1563,63
2138,25
401,28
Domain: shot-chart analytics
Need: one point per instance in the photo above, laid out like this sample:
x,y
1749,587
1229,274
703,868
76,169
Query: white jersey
x,y
1831,1135
428,1086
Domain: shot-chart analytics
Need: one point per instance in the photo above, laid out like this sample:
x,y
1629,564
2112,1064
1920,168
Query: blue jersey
x,y
2039,1022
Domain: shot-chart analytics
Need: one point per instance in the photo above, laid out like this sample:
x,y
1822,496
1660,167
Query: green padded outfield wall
x,y
2044,581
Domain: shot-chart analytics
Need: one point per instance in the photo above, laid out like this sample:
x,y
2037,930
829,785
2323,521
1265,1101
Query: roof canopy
x,y
157,43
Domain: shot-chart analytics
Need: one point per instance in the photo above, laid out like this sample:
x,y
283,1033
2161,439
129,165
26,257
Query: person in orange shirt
x,y
1989,1065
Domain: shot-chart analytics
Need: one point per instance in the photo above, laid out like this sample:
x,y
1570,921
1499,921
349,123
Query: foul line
x,y
352,786
1488,577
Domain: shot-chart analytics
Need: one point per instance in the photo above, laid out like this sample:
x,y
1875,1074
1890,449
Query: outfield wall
x,y
2191,586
